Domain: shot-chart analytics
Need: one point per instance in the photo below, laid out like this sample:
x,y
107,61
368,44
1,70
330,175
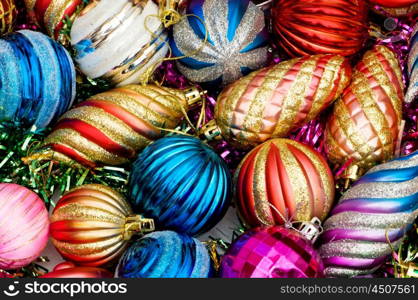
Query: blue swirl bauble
x,y
380,207
181,183
236,45
165,254
37,79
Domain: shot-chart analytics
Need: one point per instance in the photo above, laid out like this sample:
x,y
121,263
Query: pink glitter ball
x,y
24,226
271,252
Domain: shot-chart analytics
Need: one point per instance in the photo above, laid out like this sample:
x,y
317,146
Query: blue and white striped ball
x,y
236,44
165,254
37,79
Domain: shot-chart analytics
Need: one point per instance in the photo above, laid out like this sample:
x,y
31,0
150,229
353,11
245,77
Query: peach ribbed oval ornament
x,y
91,225
283,180
364,126
271,102
111,127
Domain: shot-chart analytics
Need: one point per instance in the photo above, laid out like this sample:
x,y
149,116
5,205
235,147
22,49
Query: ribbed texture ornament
x,y
119,40
181,183
91,225
306,27
165,254
364,125
8,14
379,208
110,128
273,101
283,180
236,44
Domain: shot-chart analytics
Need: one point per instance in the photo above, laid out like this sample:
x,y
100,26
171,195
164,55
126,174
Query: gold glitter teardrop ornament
x,y
91,225
111,127
364,125
272,102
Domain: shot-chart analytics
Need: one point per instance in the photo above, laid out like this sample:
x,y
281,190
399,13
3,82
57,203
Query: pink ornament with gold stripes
x,y
364,126
273,101
283,180
111,127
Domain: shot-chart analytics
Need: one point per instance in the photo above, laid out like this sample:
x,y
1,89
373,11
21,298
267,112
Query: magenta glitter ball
x,y
271,252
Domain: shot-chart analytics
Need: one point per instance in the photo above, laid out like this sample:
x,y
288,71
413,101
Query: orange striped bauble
x,y
8,14
271,102
283,180
364,126
111,127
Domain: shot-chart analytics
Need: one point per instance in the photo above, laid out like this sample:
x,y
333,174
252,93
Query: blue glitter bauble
x,y
181,183
237,40
165,254
37,79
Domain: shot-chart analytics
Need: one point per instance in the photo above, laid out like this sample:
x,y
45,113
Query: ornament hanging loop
x,y
311,230
137,224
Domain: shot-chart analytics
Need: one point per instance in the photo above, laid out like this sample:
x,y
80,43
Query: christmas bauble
x,y
51,14
69,270
165,254
271,102
8,14
24,226
304,27
91,225
412,92
110,128
364,125
283,180
37,79
181,183
396,7
271,252
118,40
393,3
236,44
371,219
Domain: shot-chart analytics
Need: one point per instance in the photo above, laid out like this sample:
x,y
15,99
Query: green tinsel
x,y
45,178
406,264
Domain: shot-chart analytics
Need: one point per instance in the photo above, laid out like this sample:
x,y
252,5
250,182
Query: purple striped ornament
x,y
380,207
271,252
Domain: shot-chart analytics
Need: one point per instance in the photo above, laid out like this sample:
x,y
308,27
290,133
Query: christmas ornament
x,y
165,254
371,219
271,252
69,270
8,14
271,102
236,44
304,27
364,125
110,128
24,226
412,92
119,40
37,79
91,225
181,183
51,14
281,180
396,7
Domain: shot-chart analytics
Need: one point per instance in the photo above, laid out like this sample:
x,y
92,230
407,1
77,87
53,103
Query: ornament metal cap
x,y
194,95
311,230
210,131
137,224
